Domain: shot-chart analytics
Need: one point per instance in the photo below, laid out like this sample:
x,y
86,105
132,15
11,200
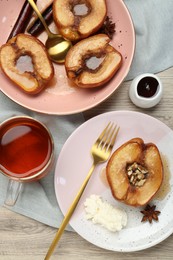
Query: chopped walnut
x,y
137,174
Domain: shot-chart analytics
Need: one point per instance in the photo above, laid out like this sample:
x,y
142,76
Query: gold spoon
x,y
56,45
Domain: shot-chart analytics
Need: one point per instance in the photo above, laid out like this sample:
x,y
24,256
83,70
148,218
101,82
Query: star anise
x,y
150,213
108,27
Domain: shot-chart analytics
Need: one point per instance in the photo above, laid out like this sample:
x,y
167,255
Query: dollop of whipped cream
x,y
103,213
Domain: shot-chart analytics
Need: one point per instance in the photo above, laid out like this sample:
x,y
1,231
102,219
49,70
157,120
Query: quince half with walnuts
x,y
92,62
78,19
135,172
25,61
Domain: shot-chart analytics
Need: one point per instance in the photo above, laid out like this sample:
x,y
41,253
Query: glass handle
x,y
13,190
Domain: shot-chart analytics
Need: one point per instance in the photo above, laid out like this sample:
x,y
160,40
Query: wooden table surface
x,y
22,238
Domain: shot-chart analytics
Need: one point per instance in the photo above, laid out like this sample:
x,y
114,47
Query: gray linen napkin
x,y
38,199
154,35
154,52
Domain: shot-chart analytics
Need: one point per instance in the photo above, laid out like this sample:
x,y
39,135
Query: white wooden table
x,y
22,238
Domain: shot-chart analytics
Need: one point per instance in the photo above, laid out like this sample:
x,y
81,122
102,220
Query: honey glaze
x,y
165,187
25,148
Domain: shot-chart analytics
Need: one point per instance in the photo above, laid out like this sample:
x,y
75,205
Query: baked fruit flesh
x,y
135,172
40,71
92,62
78,19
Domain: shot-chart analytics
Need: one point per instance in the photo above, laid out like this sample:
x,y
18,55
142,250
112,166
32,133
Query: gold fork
x,y
100,152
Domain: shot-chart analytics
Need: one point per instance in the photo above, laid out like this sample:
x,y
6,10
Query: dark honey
x,y
147,87
25,147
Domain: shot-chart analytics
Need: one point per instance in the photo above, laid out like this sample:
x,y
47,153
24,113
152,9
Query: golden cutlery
x,y
56,45
100,152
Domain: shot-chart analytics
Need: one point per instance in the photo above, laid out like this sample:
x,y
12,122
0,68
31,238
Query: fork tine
x,y
109,142
114,136
107,135
101,136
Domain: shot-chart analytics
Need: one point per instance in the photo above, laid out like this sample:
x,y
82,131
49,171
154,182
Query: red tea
x,y
25,147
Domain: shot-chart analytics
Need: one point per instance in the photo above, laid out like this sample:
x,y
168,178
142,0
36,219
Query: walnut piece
x,y
137,174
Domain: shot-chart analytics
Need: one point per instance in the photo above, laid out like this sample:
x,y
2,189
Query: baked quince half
x,y
25,61
78,19
135,172
92,62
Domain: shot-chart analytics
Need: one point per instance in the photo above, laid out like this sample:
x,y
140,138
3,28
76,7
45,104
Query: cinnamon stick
x,y
36,26
22,20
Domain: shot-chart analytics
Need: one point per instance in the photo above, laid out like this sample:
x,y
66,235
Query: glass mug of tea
x,y
26,153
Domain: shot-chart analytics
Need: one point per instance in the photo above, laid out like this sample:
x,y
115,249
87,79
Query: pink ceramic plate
x,y
60,98
74,162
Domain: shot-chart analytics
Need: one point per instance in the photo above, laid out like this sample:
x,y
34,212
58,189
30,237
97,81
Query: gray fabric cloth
x,y
154,35
154,53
